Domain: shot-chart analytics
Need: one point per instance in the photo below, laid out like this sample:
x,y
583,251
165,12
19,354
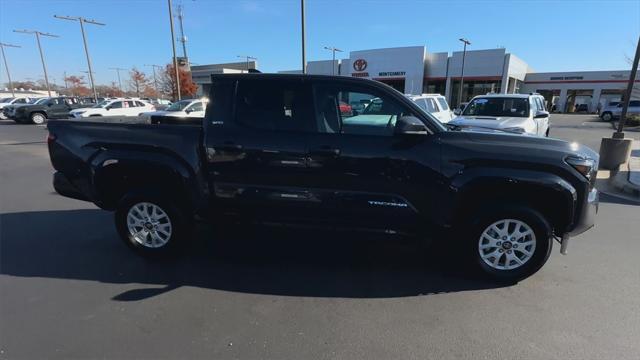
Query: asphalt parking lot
x,y
70,289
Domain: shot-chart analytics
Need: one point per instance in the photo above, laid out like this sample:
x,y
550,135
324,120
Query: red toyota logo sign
x,y
360,65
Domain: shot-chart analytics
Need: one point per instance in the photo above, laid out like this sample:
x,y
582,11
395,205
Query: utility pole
x,y
333,63
66,87
44,67
82,20
173,45
118,71
183,39
6,65
247,57
627,98
155,80
464,52
304,59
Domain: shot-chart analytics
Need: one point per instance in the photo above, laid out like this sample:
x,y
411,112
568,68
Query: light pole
x,y
44,66
82,20
248,58
173,45
627,97
118,71
304,59
6,65
464,53
155,81
333,63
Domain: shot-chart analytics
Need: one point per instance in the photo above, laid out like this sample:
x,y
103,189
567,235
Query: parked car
x,y
518,113
434,104
41,111
582,108
613,110
11,101
188,108
274,148
158,103
113,107
460,108
8,111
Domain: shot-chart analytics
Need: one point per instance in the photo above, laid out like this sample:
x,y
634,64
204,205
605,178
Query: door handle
x,y
325,151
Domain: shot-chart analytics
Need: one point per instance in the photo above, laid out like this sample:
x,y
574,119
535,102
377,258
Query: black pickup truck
x,y
40,112
277,148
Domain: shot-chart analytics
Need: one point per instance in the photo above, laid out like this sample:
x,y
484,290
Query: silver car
x,y
613,110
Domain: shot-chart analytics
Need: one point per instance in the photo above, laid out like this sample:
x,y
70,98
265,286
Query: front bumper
x,y
587,217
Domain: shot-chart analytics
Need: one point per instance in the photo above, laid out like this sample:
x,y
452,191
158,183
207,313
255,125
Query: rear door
x,y
256,131
360,172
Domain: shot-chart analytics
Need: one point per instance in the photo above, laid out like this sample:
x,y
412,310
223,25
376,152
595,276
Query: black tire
x,y
607,116
38,118
181,223
543,242
547,133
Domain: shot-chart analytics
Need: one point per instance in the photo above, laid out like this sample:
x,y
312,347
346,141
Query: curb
x,y
621,180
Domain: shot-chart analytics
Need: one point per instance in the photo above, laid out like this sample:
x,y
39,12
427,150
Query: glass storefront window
x,y
472,89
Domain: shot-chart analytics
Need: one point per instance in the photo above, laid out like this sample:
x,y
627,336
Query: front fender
x,y
508,182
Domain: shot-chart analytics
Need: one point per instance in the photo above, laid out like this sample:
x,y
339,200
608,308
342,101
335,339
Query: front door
x,y
360,171
256,148
58,108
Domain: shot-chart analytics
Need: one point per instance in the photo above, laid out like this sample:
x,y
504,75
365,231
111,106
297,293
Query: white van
x,y
434,104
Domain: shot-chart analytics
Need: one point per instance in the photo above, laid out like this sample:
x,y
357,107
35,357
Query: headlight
x,y
516,129
583,165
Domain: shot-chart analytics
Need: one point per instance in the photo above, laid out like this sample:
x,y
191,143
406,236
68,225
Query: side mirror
x,y
410,125
457,112
541,115
108,108
188,111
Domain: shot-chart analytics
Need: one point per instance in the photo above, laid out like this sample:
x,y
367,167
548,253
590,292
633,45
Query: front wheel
x,y
607,116
151,225
511,244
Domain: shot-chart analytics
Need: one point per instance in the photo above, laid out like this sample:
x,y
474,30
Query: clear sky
x,y
548,35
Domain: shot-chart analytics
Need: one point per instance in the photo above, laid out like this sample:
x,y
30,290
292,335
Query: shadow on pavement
x,y
83,245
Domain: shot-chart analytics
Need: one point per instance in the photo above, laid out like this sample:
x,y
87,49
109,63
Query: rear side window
x,y
634,103
20,101
196,107
443,104
540,103
139,104
273,105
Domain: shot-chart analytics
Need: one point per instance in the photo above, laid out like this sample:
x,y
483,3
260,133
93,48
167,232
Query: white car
x,y
12,101
517,113
113,107
434,104
189,108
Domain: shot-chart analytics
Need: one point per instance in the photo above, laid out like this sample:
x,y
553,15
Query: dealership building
x,y
414,70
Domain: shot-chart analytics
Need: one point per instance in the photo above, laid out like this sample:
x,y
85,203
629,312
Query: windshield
x,y
5,100
496,106
101,104
178,106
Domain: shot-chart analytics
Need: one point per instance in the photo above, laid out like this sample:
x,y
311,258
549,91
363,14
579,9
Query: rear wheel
x,y
38,118
511,244
152,225
607,116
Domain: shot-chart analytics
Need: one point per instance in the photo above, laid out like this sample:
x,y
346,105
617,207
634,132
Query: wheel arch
x,y
546,193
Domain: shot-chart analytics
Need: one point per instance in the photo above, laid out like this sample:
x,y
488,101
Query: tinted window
x,y
116,105
371,113
21,101
634,103
273,105
431,105
139,104
495,106
443,104
129,104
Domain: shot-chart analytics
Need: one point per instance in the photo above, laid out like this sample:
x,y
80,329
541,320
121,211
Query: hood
x,y
496,122
526,146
